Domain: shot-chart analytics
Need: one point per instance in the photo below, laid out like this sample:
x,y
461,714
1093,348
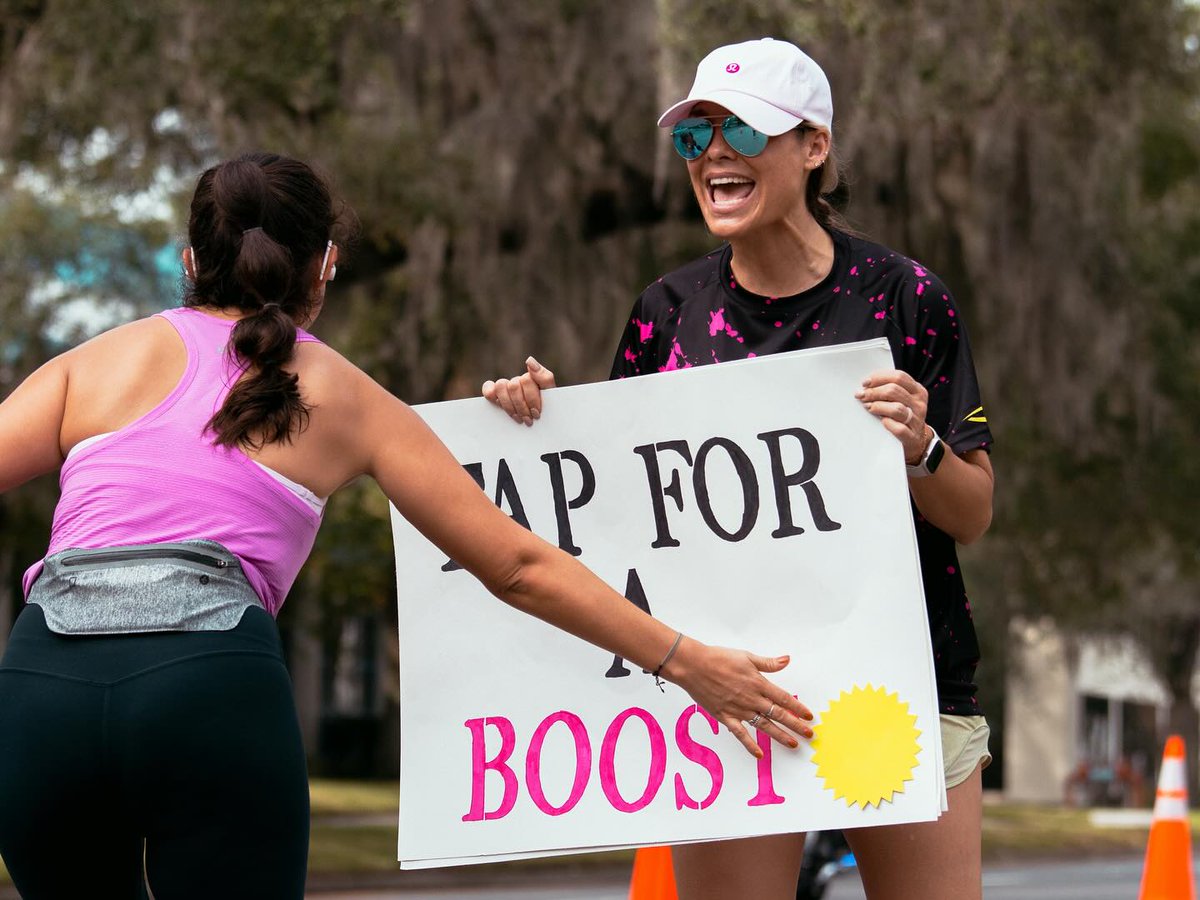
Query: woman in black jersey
x,y
755,131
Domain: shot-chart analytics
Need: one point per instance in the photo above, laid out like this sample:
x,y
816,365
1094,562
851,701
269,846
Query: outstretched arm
x,y
434,492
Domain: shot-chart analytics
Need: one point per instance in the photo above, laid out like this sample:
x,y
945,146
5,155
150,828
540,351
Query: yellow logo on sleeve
x,y
975,415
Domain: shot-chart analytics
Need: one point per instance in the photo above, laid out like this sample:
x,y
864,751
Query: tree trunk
x,y
1184,718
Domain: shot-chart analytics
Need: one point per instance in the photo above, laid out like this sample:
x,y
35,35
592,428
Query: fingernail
x,y
859,394
784,660
793,744
528,422
533,363
537,414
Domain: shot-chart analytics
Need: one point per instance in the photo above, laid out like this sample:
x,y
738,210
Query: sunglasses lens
x,y
692,137
742,138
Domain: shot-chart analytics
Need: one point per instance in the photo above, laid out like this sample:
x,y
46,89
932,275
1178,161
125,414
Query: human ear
x,y
819,143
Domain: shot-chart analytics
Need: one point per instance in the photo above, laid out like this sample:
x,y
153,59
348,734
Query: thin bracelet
x,y
666,659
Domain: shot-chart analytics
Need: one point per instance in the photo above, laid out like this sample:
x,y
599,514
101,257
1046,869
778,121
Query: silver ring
x,y
770,712
758,717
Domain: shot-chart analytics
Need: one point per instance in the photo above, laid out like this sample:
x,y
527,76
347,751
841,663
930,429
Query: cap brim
x,y
758,114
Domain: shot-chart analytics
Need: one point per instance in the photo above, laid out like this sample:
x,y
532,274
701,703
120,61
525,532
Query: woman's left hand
x,y
900,402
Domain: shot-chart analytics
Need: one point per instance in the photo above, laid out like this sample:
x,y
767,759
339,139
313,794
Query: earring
x,y
190,264
332,272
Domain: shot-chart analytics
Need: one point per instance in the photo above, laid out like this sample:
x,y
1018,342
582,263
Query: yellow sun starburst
x,y
866,746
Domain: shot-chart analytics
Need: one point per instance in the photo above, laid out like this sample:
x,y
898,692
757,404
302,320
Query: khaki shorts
x,y
964,747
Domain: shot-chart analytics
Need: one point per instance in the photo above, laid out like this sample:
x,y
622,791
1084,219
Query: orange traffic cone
x,y
1168,874
653,875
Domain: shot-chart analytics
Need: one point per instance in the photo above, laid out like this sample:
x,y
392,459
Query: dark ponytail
x,y
823,181
258,228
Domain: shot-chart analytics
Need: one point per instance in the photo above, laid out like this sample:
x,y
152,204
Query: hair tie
x,y
267,307
255,228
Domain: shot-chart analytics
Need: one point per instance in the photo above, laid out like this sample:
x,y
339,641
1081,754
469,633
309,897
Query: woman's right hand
x,y
521,397
730,686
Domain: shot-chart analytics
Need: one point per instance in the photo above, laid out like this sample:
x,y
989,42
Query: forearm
x,y
554,587
957,498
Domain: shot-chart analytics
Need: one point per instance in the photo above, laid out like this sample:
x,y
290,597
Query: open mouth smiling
x,y
729,190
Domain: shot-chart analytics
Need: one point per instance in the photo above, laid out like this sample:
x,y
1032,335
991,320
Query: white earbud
x,y
325,262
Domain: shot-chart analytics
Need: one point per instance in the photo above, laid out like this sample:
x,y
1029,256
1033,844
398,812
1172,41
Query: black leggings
x,y
176,755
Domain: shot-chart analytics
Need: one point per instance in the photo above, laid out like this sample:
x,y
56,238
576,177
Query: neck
x,y
787,258
220,312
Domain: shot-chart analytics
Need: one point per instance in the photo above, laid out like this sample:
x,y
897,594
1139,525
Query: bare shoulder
x,y
327,378
348,411
145,338
152,329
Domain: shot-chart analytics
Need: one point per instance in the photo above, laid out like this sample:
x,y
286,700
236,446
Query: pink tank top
x,y
160,479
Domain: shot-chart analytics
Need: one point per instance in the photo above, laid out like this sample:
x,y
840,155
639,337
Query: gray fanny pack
x,y
188,586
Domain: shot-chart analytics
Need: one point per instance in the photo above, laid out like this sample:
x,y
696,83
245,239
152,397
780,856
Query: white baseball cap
x,y
772,86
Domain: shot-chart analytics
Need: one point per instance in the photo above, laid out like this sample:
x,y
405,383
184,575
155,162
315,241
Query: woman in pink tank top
x,y
144,710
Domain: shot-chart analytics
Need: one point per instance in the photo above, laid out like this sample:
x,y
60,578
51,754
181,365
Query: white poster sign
x,y
752,504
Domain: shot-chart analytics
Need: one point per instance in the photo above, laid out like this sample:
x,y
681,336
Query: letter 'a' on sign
x,y
636,594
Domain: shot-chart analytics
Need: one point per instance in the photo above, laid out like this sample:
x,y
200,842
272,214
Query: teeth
x,y
730,179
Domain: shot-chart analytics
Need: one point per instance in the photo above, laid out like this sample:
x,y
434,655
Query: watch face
x,y
936,452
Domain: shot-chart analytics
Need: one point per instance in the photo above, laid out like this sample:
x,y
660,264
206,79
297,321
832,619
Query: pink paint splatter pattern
x,y
676,360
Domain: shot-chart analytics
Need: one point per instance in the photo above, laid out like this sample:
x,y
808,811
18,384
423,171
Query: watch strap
x,y
931,457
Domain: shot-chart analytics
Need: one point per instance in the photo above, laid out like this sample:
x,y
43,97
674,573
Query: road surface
x,y
1087,880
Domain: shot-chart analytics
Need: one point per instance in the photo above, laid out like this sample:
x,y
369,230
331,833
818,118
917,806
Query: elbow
x,y
515,583
972,531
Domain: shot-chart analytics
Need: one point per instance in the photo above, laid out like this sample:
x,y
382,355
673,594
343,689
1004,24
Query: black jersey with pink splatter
x,y
699,315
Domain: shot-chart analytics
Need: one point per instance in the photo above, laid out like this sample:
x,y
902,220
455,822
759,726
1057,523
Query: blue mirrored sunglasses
x,y
692,136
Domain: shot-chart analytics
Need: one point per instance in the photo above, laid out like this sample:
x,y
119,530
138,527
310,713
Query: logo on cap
x,y
732,67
